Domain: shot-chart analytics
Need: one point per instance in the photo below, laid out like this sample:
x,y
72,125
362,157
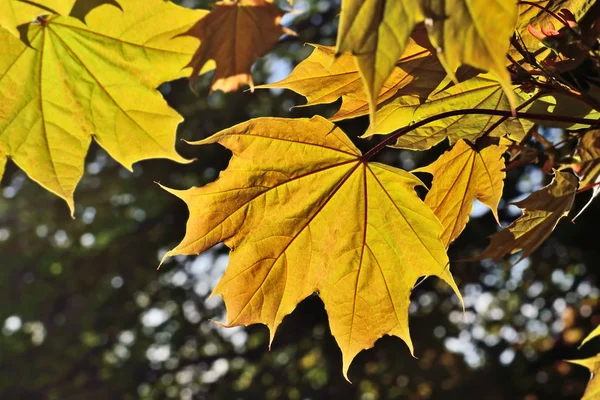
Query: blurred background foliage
x,y
85,314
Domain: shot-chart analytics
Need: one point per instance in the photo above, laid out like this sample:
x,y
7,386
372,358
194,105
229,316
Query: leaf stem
x,y
500,121
470,111
588,187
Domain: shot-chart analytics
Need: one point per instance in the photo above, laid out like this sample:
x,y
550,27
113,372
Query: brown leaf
x,y
541,212
234,35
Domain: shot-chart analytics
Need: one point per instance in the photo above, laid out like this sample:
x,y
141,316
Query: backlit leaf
x,y
588,148
588,167
96,79
464,32
460,176
2,163
323,78
18,12
376,32
592,392
482,91
537,17
593,334
473,32
234,35
541,212
303,213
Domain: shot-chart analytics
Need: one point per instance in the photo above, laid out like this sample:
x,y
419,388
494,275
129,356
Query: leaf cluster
x,y
301,208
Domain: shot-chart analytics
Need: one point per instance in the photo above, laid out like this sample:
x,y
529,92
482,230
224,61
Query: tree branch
x,y
533,116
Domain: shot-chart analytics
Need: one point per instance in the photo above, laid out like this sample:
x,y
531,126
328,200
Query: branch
x,y
500,121
533,116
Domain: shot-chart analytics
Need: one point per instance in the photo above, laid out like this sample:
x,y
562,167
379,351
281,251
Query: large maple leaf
x,y
324,77
79,81
541,212
460,176
303,213
14,13
234,35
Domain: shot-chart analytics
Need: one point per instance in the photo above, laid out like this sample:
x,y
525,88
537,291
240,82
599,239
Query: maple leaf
x,y
472,32
303,213
593,334
592,392
460,176
475,33
234,35
2,163
588,148
14,13
593,364
97,79
481,91
541,212
324,77
376,32
587,169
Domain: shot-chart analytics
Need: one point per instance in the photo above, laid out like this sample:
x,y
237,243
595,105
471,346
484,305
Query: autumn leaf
x,y
2,163
541,212
588,148
593,364
376,33
475,33
538,17
18,12
234,35
588,167
480,92
97,79
324,77
593,334
304,213
460,176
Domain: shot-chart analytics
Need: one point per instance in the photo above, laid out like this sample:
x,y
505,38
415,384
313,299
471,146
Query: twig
x,y
534,116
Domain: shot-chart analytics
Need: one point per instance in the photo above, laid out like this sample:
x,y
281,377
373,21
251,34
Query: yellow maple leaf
x,y
234,35
481,91
18,12
376,32
464,32
303,213
460,176
593,334
592,392
475,33
97,79
2,162
541,212
324,77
